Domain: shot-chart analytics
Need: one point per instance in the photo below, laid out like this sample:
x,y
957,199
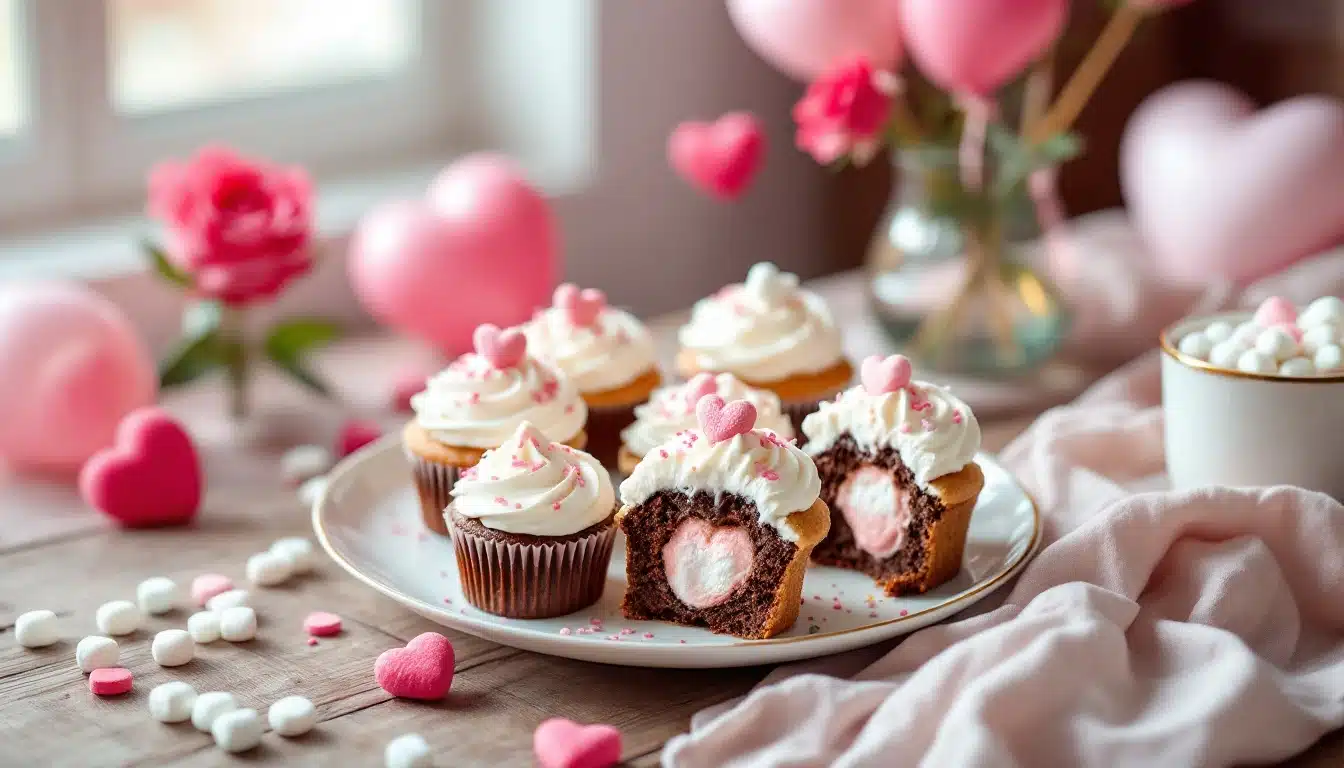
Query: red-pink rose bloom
x,y
238,227
844,112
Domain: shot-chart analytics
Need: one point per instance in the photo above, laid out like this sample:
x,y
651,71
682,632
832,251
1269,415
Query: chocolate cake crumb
x,y
904,572
650,525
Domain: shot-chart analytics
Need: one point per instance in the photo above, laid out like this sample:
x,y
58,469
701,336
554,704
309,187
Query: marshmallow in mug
x,y
1277,340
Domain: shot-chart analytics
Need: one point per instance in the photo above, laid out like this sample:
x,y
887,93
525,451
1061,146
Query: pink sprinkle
x,y
322,624
905,428
770,475
662,452
312,641
474,398
926,424
614,637
555,505
517,463
494,477
816,597
627,631
569,409
872,614
904,612
648,635
956,416
565,631
500,500
595,621
836,607
683,642
447,601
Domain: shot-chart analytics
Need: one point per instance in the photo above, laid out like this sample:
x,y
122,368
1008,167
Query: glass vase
x,y
956,291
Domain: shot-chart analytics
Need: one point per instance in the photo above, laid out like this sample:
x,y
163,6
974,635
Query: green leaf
x,y
202,316
165,268
1017,161
1060,148
193,357
292,339
300,373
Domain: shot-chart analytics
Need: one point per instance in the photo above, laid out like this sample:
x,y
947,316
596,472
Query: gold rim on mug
x,y
319,526
1168,348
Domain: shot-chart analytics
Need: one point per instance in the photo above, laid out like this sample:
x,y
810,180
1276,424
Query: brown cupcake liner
x,y
533,581
604,431
434,485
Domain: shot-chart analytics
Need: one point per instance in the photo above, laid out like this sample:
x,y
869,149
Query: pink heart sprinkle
x,y
1275,310
703,384
561,743
581,307
722,421
882,376
501,348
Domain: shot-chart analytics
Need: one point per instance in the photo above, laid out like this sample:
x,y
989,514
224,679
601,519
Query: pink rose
x,y
844,112
238,227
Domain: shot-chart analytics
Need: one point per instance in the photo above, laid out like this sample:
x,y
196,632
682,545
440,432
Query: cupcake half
x,y
533,526
896,459
606,352
671,411
719,523
772,335
477,403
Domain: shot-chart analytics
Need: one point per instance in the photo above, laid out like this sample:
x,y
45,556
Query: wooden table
x,y
55,554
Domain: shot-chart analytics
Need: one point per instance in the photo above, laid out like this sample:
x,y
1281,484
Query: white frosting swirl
x,y
530,485
764,330
757,465
472,404
614,351
671,410
934,432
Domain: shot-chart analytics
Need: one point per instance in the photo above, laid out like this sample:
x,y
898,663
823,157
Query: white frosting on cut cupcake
x,y
530,485
474,404
671,410
934,432
757,465
764,330
613,351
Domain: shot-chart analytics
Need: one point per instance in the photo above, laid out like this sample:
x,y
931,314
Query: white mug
x,y
1227,427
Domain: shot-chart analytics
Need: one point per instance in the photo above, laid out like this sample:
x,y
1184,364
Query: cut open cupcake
x,y
719,524
896,459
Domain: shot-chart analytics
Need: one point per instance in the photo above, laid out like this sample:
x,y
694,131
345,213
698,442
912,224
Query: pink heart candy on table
x,y
881,376
705,564
1275,310
501,348
422,670
723,421
561,743
719,158
150,477
700,385
581,307
355,434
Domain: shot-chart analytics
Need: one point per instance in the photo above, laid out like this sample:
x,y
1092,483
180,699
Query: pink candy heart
x,y
421,670
883,376
720,421
502,349
355,434
1275,310
703,384
561,743
150,477
719,158
581,307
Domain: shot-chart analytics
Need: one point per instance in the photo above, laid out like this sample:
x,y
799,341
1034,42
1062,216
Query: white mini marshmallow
x,y
298,551
1327,309
36,629
1329,358
225,600
172,648
238,624
203,626
237,731
292,716
1278,344
1319,336
268,569
304,462
172,702
1246,333
312,490
408,751
209,706
1254,361
118,617
157,595
1225,354
97,652
1297,366
1219,331
1196,345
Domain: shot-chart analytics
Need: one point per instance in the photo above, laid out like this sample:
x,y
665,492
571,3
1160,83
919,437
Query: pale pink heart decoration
x,y
975,46
581,307
719,158
1220,190
723,421
881,376
804,38
702,384
561,743
503,349
1275,310
705,564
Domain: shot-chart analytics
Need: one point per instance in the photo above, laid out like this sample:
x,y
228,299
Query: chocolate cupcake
x,y
477,403
533,526
772,335
606,352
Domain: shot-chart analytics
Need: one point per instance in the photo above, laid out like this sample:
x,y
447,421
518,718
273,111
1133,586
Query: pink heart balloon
x,y
975,46
481,247
720,158
804,38
1220,190
71,366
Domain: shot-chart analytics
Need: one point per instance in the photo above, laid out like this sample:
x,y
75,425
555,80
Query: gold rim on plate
x,y
1170,350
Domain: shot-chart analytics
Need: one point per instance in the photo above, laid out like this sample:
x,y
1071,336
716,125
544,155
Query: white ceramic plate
x,y
369,521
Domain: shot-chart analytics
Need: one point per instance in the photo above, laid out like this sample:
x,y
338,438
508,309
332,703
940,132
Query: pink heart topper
x,y
580,307
699,386
723,421
561,743
719,158
1275,310
150,477
882,376
422,670
503,349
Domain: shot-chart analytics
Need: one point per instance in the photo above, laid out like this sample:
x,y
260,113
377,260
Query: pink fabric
x,y
1154,628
